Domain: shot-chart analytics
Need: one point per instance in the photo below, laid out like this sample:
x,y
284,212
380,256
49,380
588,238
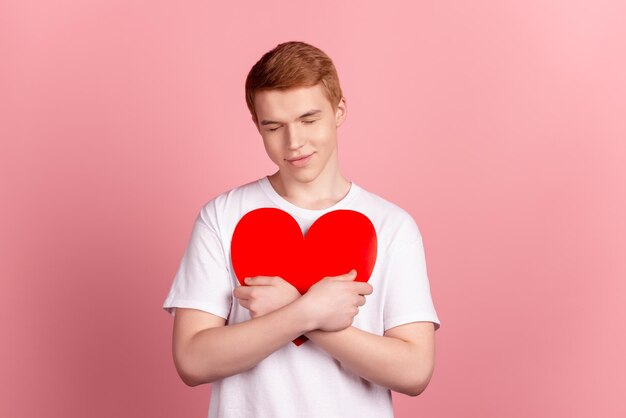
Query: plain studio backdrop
x,y
499,125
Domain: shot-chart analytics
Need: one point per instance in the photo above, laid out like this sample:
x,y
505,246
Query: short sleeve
x,y
203,279
407,292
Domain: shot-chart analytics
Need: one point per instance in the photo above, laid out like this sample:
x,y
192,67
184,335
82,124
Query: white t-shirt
x,y
303,381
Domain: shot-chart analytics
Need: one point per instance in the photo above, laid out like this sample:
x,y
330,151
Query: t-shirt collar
x,y
289,207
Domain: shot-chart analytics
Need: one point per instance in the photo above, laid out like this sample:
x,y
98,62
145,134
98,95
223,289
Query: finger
x,y
365,288
259,280
242,292
351,275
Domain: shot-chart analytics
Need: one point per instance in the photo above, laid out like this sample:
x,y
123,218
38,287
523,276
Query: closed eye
x,y
307,122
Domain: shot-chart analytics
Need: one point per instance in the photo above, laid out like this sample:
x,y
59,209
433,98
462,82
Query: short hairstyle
x,y
289,65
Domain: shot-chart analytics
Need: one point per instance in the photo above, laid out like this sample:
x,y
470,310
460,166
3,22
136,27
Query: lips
x,y
301,162
300,158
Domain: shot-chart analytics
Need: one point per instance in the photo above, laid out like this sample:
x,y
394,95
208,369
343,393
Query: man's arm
x,y
205,350
402,360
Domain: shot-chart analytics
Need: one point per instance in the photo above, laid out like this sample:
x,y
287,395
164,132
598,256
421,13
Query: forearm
x,y
216,353
379,359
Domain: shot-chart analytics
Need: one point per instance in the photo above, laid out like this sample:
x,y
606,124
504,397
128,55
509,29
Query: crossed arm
x,y
401,360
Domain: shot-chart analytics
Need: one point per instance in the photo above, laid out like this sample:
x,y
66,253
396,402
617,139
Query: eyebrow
x,y
309,113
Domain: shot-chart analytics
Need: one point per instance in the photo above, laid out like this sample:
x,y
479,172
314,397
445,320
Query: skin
x,y
206,350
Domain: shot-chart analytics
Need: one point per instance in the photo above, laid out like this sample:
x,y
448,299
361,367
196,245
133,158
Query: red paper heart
x,y
269,242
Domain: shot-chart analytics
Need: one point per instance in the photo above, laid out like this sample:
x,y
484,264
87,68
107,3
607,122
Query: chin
x,y
304,177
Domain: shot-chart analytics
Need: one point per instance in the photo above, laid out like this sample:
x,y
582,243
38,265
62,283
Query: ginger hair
x,y
290,65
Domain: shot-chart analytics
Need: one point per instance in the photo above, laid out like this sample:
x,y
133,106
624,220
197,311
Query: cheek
x,y
324,134
273,150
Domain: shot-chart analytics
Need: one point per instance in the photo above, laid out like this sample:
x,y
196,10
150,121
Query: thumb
x,y
351,275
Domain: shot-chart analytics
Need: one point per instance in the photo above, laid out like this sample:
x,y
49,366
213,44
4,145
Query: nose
x,y
295,138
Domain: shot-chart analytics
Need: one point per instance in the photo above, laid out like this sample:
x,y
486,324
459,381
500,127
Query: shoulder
x,y
226,203
394,224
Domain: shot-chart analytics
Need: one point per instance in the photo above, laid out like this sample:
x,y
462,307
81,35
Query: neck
x,y
322,192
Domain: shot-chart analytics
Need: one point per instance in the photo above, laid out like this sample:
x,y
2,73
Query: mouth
x,y
300,158
301,161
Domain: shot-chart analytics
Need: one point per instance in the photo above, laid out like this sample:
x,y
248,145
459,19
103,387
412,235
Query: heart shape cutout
x,y
269,242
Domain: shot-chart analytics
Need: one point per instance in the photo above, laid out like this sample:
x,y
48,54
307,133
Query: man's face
x,y
296,123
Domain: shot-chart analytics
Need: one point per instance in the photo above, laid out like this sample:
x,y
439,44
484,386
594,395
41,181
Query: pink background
x,y
499,125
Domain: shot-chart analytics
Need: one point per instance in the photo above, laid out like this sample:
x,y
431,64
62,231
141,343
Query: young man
x,y
240,337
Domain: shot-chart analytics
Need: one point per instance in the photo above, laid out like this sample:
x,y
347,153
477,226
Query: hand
x,y
265,294
334,301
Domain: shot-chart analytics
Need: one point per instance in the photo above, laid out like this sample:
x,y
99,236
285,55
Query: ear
x,y
256,125
341,113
